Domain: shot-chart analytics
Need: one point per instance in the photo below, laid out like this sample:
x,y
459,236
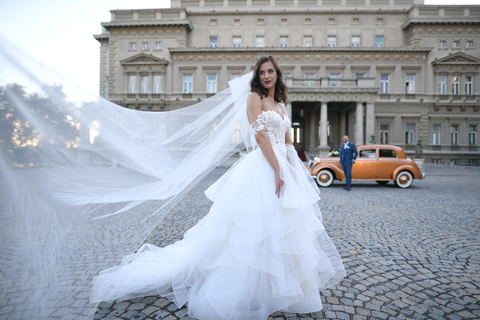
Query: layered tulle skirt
x,y
253,254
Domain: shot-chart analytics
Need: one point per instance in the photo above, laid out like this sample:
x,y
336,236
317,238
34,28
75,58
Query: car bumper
x,y
423,175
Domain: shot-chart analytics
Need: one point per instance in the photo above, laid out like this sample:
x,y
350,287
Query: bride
x,y
262,247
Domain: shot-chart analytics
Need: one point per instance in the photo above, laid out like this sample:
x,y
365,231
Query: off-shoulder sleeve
x,y
259,124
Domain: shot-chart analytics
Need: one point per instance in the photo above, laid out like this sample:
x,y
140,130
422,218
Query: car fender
x,y
405,167
339,175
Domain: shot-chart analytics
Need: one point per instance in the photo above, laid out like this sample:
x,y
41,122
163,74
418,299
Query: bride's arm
x,y
254,109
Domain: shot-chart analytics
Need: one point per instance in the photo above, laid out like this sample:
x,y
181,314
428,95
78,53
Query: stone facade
x,y
384,71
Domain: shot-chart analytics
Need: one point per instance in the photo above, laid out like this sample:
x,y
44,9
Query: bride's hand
x,y
279,184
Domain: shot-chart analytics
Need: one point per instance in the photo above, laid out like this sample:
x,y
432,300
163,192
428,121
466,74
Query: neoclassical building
x,y
383,71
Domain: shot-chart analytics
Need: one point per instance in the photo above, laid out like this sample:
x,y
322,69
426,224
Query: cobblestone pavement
x,y
409,253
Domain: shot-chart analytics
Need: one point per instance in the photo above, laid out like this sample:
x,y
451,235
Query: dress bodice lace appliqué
x,y
275,127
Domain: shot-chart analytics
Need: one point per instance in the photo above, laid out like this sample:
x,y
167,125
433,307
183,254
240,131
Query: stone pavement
x,y
409,253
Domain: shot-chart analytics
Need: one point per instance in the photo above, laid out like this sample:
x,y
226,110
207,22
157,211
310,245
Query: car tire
x,y
324,178
404,179
382,182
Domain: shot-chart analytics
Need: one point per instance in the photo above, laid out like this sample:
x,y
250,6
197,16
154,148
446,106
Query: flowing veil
x,y
65,154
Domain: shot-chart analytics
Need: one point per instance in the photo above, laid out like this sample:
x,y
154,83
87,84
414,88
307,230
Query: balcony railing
x,y
328,83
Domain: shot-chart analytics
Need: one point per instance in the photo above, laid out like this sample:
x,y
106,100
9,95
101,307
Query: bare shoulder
x,y
254,99
254,106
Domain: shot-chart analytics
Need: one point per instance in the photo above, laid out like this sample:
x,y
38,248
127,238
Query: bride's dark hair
x,y
280,87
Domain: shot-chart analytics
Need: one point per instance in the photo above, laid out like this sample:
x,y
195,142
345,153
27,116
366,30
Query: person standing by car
x,y
348,154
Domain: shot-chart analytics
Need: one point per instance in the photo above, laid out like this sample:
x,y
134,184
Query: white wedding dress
x,y
253,254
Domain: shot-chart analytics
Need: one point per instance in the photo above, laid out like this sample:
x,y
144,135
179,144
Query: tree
x,y
32,125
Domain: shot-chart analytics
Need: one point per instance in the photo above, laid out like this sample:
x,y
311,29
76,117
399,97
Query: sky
x,y
59,33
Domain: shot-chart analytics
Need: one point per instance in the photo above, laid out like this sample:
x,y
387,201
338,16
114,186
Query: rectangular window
x,y
307,41
387,153
144,84
309,83
359,75
157,84
235,76
410,83
211,83
469,85
187,83
283,41
469,44
384,133
442,44
455,85
145,46
472,135
454,134
442,84
132,84
436,136
133,46
368,153
260,41
331,41
334,83
379,41
237,42
355,41
158,45
213,42
384,83
410,134
456,44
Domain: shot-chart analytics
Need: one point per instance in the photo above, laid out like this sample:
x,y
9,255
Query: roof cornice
x,y
299,49
148,23
294,12
445,21
100,37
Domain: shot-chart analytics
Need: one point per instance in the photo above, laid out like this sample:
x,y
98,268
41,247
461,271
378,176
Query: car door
x,y
365,167
387,162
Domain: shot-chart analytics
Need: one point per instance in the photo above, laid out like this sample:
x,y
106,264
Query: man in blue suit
x,y
348,154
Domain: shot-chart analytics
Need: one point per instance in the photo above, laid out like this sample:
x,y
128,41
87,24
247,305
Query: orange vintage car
x,y
381,163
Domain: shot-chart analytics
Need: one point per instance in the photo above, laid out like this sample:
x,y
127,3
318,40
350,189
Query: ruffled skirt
x,y
253,253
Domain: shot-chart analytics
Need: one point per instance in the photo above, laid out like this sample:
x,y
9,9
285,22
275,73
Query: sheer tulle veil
x,y
66,153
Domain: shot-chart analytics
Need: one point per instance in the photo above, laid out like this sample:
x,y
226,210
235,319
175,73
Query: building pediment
x,y
143,59
458,58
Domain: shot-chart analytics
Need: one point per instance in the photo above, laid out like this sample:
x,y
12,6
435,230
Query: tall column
x,y
289,110
359,124
370,122
323,124
323,147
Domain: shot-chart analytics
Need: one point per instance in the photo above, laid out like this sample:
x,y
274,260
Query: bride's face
x,y
268,75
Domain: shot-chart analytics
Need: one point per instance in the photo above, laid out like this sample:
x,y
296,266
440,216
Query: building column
x,y
323,147
370,122
359,124
289,110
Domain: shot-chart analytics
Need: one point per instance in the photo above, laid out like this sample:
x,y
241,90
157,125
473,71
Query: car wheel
x,y
324,178
382,182
404,179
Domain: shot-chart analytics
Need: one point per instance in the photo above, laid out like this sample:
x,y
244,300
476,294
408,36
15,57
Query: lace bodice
x,y
275,127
